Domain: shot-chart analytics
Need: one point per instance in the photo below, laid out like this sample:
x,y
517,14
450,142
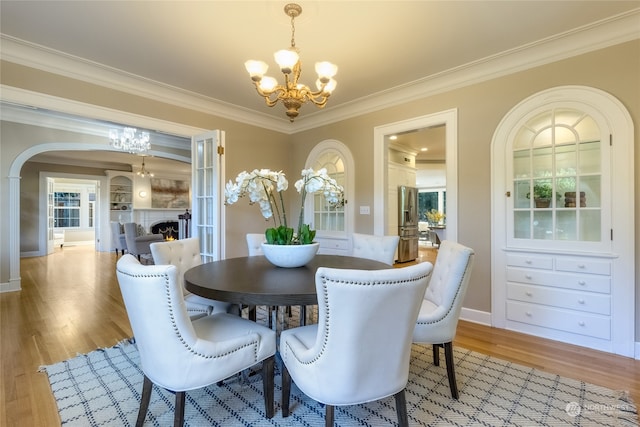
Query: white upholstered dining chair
x,y
254,246
179,354
378,248
254,243
184,254
357,352
440,310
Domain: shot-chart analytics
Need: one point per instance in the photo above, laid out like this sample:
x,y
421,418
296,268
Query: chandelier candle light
x,y
143,172
130,140
292,94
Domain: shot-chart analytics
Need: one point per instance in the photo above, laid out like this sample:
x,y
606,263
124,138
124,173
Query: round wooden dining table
x,y
253,280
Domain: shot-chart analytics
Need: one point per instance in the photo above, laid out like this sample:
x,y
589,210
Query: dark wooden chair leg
x,y
401,409
268,385
144,401
178,416
303,315
328,416
286,391
436,354
451,372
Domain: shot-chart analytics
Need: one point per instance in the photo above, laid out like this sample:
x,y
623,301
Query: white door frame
x,y
449,118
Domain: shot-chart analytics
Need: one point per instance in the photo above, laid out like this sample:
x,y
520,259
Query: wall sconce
x,y
142,194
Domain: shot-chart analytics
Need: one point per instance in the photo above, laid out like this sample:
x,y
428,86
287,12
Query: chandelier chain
x,y
293,31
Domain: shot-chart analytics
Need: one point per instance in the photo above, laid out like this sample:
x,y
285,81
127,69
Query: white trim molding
x,y
598,35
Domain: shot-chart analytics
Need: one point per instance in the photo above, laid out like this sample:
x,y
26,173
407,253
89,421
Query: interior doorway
x,y
74,216
448,119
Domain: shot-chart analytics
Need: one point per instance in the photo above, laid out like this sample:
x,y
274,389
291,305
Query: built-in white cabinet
x,y
120,196
563,220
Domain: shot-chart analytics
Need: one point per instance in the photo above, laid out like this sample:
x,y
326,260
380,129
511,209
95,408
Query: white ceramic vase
x,y
290,256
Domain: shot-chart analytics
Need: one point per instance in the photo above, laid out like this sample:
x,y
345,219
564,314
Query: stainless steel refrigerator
x,y
407,223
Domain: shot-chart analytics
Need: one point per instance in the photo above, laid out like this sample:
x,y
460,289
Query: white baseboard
x,y
484,318
476,316
30,254
79,243
10,286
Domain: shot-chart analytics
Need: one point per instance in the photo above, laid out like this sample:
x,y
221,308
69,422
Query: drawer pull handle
x,y
528,313
528,261
581,323
528,293
580,301
581,266
527,276
582,282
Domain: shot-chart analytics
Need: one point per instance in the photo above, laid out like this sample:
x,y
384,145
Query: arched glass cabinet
x,y
333,224
562,220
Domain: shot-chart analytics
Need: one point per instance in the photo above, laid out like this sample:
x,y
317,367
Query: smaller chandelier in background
x,y
292,94
130,140
143,172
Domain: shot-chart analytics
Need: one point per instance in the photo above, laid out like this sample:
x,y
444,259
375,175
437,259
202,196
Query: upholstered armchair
x,y
359,351
139,245
442,303
179,354
185,254
378,248
118,239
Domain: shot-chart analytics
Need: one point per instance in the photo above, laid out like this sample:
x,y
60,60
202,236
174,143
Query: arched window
x,y
333,224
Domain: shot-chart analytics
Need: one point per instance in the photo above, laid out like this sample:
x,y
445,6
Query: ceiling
x,y
199,47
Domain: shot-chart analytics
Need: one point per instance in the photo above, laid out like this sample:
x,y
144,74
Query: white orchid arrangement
x,y
262,186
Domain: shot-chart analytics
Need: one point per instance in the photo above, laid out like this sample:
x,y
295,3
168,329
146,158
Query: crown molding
x,y
53,61
598,35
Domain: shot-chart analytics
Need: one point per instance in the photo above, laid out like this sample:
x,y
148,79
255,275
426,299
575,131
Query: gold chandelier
x,y
292,94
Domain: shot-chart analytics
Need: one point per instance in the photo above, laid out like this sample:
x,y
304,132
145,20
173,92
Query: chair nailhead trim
x,y
325,302
175,326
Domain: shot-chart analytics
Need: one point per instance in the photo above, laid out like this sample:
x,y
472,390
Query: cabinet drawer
x,y
562,298
584,266
528,275
530,261
582,282
564,320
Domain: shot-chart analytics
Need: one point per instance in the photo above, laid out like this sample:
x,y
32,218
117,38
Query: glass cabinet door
x,y
325,216
557,178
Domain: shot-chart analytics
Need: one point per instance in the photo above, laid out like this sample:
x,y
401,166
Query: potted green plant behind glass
x,y
542,193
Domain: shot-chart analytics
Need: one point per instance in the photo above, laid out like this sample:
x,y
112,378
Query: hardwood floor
x,y
70,303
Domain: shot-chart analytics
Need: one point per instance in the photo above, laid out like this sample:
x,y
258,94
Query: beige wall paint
x,y
480,108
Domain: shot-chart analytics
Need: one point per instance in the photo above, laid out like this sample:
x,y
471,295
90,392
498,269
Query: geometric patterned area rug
x,y
103,388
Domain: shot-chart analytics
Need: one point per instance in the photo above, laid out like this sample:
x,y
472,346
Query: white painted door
x,y
207,166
